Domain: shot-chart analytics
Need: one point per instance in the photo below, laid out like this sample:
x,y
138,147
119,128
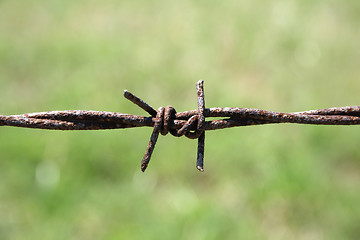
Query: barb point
x,y
200,168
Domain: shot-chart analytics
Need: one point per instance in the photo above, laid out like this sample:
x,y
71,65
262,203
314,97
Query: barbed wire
x,y
191,124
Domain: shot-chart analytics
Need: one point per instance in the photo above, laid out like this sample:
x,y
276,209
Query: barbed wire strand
x,y
191,124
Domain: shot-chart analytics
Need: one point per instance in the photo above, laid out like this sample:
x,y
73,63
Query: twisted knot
x,y
165,118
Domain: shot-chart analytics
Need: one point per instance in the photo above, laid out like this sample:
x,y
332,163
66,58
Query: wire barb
x,y
201,121
191,124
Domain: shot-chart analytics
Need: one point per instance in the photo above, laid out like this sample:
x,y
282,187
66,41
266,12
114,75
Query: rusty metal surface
x,y
191,124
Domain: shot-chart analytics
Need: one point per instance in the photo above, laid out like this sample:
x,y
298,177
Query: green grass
x,y
263,182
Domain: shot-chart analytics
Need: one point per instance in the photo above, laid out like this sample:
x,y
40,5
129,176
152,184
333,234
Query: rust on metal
x,y
191,124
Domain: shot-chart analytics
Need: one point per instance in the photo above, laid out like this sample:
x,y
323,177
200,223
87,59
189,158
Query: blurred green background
x,y
266,182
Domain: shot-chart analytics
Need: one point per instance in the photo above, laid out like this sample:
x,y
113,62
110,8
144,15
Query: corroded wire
x,y
200,126
191,124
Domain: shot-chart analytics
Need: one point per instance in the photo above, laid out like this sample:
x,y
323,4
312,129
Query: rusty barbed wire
x,y
191,124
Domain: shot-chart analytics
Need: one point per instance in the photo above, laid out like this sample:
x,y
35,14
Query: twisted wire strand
x,y
191,124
